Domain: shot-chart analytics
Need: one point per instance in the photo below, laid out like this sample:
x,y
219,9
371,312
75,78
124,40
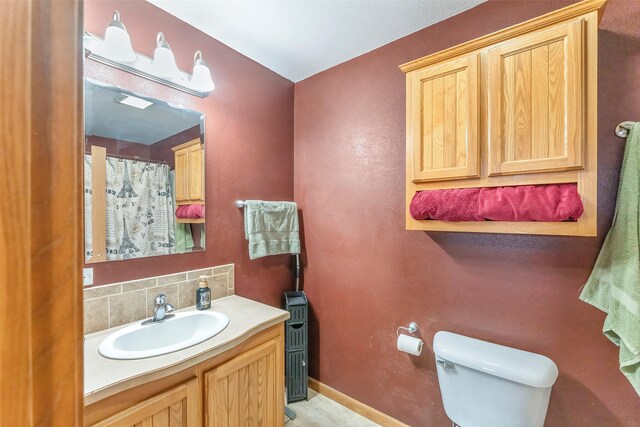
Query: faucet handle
x,y
161,299
168,308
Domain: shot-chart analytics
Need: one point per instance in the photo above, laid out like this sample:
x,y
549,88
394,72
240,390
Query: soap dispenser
x,y
203,294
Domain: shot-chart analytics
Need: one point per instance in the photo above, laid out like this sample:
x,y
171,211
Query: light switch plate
x,y
87,276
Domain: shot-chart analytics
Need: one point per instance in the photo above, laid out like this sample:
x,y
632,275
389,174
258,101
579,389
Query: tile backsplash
x,y
116,304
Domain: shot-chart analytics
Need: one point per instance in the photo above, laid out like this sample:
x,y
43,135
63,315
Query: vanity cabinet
x,y
242,391
515,107
177,407
241,386
189,170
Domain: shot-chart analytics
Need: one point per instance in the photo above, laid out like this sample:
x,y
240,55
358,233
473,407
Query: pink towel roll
x,y
190,211
446,205
547,203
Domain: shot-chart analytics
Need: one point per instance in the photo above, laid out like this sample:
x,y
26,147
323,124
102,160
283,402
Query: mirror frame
x,y
102,258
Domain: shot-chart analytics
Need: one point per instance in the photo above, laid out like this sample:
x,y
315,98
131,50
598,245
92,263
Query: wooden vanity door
x,y
535,106
444,120
177,407
247,390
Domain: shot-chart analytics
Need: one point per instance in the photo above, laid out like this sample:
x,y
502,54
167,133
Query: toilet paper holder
x,y
412,328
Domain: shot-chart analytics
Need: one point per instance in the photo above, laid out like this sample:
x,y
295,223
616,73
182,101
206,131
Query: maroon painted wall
x,y
163,149
117,147
365,274
249,144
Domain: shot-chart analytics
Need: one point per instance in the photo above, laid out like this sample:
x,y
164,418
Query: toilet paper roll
x,y
409,344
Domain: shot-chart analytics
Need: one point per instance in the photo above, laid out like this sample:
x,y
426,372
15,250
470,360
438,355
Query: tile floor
x,y
320,411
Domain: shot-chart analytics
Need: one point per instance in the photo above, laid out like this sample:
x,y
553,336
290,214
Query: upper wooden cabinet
x,y
535,105
189,167
444,120
515,107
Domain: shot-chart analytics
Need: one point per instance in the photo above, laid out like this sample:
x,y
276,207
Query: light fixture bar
x,y
138,67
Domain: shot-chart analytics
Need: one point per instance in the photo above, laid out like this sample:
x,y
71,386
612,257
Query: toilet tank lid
x,y
519,366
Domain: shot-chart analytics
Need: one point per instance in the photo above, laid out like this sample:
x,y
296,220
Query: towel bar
x,y
622,130
241,204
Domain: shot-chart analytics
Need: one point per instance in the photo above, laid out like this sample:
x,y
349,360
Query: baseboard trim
x,y
355,405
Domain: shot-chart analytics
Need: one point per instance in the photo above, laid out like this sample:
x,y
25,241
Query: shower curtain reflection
x,y
140,209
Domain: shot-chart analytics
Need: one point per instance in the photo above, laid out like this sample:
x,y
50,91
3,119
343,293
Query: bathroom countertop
x,y
104,377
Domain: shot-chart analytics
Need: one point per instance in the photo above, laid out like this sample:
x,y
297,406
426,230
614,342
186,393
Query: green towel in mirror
x,y
184,238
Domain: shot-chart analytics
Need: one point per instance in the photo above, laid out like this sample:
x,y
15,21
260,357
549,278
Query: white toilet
x,y
490,385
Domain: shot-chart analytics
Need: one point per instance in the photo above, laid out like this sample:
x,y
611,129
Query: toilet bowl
x,y
490,385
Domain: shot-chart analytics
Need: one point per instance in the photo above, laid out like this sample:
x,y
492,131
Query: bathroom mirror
x,y
143,176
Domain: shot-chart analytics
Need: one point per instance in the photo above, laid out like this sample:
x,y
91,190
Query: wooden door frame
x,y
41,221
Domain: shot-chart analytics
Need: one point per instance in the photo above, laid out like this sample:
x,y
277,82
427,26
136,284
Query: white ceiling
x,y
299,38
110,119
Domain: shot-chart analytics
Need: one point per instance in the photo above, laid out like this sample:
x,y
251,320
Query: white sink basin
x,y
180,331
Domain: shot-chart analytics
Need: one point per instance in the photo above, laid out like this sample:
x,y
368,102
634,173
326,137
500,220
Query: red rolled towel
x,y
548,203
190,211
196,211
446,205
181,211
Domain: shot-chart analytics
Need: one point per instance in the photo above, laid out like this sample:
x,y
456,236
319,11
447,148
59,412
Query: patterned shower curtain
x,y
140,209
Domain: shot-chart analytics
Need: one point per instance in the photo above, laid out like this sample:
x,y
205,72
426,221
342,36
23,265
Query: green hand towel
x,y
271,228
614,284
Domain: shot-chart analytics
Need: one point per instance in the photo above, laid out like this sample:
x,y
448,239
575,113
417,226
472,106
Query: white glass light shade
x,y
164,63
201,79
117,44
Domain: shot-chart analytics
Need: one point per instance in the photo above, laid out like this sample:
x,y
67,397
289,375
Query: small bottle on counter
x,y
203,294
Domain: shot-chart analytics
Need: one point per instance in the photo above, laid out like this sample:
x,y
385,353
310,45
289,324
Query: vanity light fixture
x,y
201,79
115,51
117,44
133,101
164,63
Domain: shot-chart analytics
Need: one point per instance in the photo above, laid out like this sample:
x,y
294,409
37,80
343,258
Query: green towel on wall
x,y
614,284
271,228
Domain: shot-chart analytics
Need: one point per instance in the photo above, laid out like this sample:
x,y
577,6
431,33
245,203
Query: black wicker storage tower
x,y
296,345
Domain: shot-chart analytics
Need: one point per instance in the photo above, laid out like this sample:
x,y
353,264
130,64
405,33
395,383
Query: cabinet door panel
x,y
196,169
444,114
535,102
243,390
182,175
177,407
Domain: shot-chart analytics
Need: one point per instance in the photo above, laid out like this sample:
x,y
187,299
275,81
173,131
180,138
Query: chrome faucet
x,y
161,308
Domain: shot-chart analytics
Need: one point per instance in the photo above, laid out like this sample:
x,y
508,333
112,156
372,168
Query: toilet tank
x,y
490,385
